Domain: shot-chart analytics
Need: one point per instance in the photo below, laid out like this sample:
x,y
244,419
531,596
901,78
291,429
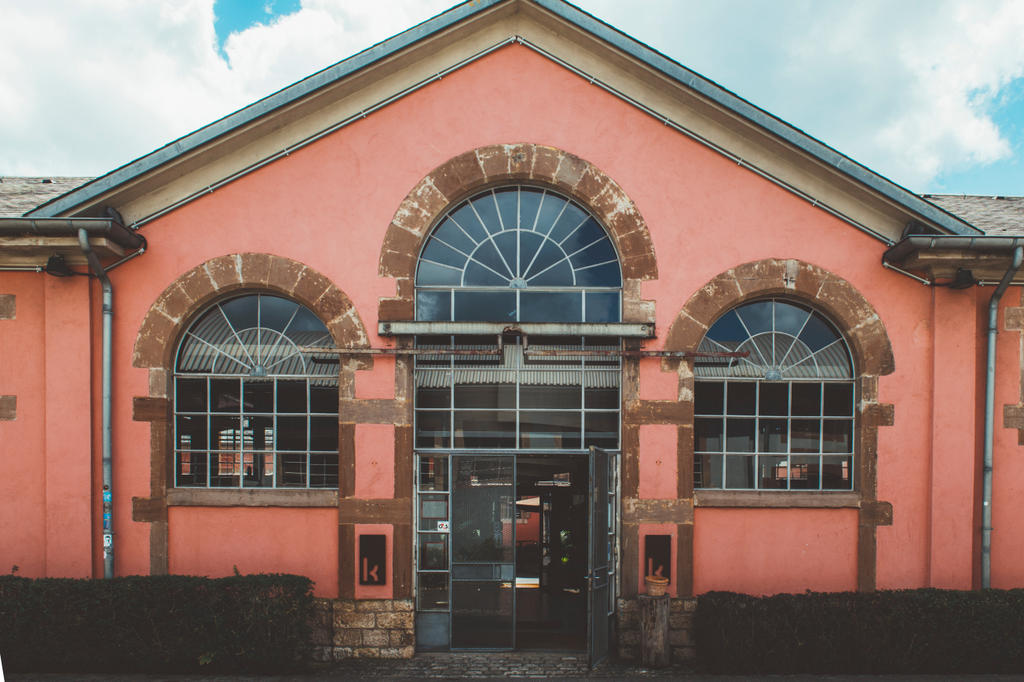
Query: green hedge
x,y
155,624
905,631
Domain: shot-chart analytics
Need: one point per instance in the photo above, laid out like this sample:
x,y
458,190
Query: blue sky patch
x,y
232,16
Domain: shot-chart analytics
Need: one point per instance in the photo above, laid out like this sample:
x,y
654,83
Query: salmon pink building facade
x,y
488,322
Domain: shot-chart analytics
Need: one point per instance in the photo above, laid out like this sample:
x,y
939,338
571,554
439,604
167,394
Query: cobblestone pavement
x,y
488,666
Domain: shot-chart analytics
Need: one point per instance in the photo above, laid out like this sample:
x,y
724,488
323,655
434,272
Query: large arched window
x,y
782,417
518,254
252,409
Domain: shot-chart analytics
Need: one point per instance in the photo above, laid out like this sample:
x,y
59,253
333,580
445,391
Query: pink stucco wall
x,y
328,206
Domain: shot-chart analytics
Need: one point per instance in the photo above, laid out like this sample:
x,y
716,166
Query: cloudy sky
x,y
929,93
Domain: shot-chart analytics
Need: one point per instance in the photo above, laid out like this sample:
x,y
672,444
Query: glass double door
x,y
529,546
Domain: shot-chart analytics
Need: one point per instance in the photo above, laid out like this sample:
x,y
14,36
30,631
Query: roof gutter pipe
x,y
108,315
990,376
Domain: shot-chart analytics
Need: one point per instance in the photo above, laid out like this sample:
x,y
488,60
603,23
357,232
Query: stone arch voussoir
x,y
175,306
477,169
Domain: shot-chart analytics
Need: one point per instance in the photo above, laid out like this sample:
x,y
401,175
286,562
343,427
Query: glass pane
x,y
323,470
259,395
432,592
789,318
323,433
773,435
191,432
838,400
806,399
603,306
487,306
257,469
433,473
804,472
486,396
708,397
434,305
707,435
225,433
291,396
482,615
551,306
739,435
191,395
323,399
601,398
836,473
508,207
433,551
191,468
757,316
485,429
818,333
772,472
550,396
433,508
741,397
739,471
258,433
482,509
707,471
276,312
452,234
224,469
549,429
806,435
291,433
433,397
428,273
225,395
432,429
437,252
773,399
602,429
837,435
291,470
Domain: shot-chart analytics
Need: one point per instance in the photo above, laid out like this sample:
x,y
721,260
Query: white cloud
x,y
904,88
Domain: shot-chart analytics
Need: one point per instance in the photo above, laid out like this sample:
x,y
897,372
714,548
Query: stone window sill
x,y
255,497
776,500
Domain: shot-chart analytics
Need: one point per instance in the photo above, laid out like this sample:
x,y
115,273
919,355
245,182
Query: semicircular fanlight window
x,y
518,254
783,340
255,335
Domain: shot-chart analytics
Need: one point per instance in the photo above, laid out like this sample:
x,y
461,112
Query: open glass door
x,y
598,558
483,552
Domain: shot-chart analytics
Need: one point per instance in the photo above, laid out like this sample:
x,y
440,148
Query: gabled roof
x,y
648,60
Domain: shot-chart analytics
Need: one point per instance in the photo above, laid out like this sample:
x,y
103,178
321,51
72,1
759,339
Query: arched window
x,y
518,254
252,409
781,418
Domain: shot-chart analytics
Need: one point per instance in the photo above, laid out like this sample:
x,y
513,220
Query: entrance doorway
x,y
529,539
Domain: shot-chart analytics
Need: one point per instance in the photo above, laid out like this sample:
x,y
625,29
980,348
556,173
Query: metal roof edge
x,y
756,115
469,8
259,108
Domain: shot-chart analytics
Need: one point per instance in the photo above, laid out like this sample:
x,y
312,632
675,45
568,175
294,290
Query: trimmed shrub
x,y
161,624
904,631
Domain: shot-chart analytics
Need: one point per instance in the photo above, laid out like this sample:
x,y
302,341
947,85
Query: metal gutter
x,y
990,387
980,243
569,13
108,228
107,432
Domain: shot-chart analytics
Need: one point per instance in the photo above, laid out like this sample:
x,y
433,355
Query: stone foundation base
x,y
680,629
363,628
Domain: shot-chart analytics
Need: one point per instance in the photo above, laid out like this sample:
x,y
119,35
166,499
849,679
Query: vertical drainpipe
x,y
108,314
990,400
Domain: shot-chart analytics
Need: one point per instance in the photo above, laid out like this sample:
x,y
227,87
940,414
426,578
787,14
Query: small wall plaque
x,y
373,556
